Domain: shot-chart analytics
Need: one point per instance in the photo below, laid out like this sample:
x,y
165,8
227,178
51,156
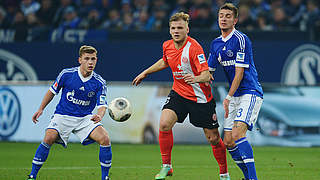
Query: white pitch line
x,y
113,167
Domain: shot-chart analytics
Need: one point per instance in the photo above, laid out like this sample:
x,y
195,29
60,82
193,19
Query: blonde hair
x,y
231,7
179,16
87,49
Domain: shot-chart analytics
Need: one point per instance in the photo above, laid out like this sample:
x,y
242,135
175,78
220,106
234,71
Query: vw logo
x,y
10,113
14,68
302,66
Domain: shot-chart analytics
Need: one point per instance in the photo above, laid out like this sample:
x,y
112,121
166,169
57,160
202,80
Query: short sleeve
x,y
212,59
164,57
101,95
242,56
58,83
199,58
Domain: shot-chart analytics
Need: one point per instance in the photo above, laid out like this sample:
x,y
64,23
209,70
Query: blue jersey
x,y
236,51
80,95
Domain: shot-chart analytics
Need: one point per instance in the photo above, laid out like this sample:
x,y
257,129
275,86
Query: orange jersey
x,y
189,59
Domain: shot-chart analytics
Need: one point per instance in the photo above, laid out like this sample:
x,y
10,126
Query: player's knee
x,y
104,140
213,139
236,136
164,126
49,140
228,143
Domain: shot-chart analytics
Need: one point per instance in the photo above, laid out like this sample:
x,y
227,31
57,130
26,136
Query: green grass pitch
x,y
142,162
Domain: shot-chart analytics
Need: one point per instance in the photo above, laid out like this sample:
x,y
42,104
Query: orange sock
x,y
219,152
166,144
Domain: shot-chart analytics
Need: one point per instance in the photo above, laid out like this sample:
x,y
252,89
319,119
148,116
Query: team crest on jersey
x,y
229,53
201,58
91,94
240,56
184,59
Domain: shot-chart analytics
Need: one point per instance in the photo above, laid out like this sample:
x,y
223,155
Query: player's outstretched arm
x,y
98,117
45,101
158,66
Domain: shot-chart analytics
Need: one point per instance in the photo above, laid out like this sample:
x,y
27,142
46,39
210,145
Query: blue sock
x,y
105,157
235,154
246,152
39,158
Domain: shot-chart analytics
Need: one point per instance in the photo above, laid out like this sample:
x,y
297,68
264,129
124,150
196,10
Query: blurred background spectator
x,y
153,15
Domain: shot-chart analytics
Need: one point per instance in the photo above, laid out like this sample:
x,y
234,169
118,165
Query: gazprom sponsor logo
x,y
14,68
302,66
10,113
71,98
228,63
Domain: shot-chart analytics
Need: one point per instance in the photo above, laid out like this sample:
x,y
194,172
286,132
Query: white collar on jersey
x,y
229,36
84,79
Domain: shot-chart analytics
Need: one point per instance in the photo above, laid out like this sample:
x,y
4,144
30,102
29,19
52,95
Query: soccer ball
x,y
120,109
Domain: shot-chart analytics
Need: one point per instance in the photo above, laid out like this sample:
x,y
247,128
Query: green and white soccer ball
x,y
120,109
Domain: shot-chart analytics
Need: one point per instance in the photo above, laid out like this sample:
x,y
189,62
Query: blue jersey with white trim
x,y
79,95
236,51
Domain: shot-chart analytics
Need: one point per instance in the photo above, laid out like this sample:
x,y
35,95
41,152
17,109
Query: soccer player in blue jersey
x,y
82,90
242,104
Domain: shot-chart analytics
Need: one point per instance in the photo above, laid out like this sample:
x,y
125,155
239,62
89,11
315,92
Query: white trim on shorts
x,y
80,126
244,108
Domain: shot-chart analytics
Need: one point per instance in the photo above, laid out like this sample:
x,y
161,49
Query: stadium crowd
x,y
152,15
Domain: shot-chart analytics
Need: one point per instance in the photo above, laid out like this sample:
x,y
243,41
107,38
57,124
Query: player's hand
x,y
226,103
189,78
210,81
36,116
139,78
96,118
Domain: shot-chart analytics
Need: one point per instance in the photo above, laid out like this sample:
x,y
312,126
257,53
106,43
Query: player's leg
x,y
244,148
230,144
234,152
173,111
204,115
246,117
167,120
42,152
100,135
219,151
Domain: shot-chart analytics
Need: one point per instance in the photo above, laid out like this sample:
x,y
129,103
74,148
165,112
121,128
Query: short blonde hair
x,y
87,49
179,16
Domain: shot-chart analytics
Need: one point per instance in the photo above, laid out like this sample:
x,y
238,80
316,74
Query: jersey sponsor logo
x,y
91,94
10,113
229,53
240,56
228,63
201,58
71,98
15,68
179,74
302,66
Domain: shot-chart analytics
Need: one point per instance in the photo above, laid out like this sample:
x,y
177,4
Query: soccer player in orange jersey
x,y
190,94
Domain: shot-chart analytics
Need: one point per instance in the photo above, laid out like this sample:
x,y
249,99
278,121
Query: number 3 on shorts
x,y
239,113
